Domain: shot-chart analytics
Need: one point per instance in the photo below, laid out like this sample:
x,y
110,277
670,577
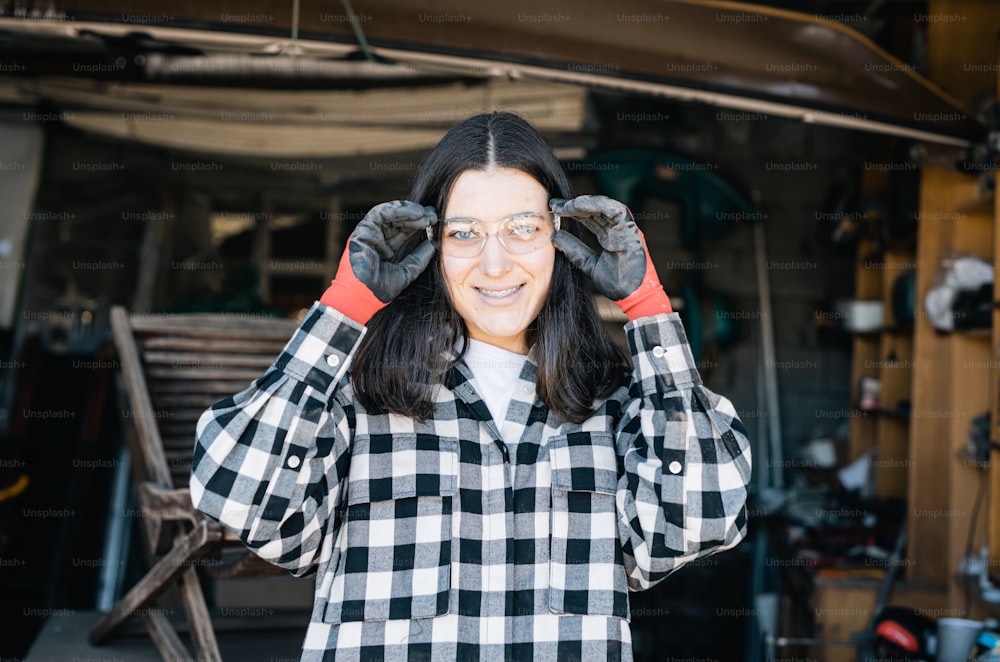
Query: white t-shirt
x,y
495,372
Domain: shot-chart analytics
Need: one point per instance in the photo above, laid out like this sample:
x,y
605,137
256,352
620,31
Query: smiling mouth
x,y
499,294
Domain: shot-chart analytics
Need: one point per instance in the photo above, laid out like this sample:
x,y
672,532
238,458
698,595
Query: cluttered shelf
x,y
841,558
900,520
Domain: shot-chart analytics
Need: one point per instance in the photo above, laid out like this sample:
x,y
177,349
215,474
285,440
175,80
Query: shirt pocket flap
x,y
398,466
584,462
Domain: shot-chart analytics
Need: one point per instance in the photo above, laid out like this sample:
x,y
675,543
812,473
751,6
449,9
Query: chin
x,y
499,335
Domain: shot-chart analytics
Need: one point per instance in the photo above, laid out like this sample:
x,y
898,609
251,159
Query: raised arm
x,y
684,451
686,459
269,461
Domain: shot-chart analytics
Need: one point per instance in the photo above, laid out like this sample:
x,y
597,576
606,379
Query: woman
x,y
454,443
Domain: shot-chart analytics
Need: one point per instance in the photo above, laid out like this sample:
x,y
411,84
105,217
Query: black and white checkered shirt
x,y
424,550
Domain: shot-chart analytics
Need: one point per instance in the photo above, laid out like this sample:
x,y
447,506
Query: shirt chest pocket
x,y
394,547
586,570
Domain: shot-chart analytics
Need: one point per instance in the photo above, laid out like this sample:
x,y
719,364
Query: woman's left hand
x,y
622,271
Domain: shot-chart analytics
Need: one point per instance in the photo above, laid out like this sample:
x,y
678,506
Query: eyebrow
x,y
453,219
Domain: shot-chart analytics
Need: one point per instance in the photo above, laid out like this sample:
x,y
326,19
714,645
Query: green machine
x,y
711,209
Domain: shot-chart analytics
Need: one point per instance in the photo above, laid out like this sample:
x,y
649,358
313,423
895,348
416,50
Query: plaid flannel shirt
x,y
423,548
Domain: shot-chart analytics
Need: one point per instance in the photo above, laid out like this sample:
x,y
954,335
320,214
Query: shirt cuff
x,y
661,355
319,351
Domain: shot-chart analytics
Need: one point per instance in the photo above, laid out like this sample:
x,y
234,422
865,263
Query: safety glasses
x,y
518,233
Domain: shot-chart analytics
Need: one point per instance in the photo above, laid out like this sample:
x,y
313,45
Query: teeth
x,y
499,293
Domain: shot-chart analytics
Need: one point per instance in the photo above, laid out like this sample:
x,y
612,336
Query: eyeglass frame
x,y
555,228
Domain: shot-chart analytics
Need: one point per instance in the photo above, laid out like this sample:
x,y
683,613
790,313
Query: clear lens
x,y
519,233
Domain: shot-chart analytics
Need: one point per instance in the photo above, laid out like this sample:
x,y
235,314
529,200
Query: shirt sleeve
x,y
686,458
270,461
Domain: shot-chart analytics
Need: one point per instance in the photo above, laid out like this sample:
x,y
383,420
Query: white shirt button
x,y
658,351
675,467
294,462
333,360
526,389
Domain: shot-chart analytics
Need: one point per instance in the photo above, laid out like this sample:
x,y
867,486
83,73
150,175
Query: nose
x,y
494,260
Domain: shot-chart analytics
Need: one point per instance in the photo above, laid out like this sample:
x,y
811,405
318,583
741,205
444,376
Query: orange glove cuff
x,y
649,298
349,295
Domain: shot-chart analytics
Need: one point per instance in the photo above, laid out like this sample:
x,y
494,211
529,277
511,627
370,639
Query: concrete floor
x,y
64,638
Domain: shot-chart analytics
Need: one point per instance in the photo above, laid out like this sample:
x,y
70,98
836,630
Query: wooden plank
x,y
165,396
973,228
180,438
184,441
182,417
942,191
192,402
867,281
148,437
186,548
248,565
183,478
182,473
892,462
168,505
207,360
895,376
862,429
961,50
164,636
220,387
972,233
896,370
864,354
199,621
264,347
240,326
861,436
203,374
182,421
969,377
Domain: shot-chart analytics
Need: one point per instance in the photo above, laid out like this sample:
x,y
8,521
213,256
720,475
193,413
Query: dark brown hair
x,y
409,345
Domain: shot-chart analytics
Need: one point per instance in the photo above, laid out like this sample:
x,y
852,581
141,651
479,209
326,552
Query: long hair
x,y
410,343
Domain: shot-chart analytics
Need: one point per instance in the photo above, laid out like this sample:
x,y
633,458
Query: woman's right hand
x,y
368,278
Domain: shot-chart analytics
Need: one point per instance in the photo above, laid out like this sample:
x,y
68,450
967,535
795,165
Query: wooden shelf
x,y
902,585
948,391
982,334
900,414
949,378
945,377
885,354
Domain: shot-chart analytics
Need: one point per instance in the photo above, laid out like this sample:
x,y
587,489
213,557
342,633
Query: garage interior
x,y
812,216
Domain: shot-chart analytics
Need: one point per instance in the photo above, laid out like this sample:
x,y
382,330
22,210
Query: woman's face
x,y
479,285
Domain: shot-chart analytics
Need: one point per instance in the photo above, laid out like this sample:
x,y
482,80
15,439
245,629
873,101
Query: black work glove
x,y
367,277
618,270
623,271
